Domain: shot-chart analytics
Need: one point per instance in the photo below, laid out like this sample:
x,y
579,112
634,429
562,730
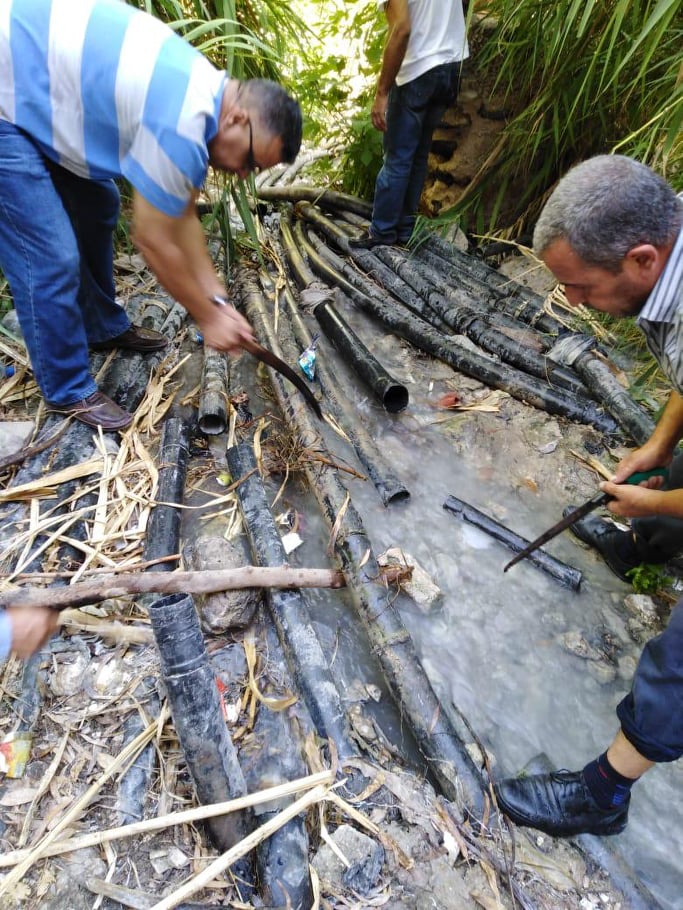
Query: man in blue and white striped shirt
x,y
612,234
93,90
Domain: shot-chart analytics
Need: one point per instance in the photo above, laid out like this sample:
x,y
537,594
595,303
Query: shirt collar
x,y
663,302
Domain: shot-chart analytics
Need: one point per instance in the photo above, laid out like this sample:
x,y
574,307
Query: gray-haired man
x,y
612,234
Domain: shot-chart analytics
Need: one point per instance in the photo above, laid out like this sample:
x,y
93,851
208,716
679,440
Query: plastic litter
x,y
307,359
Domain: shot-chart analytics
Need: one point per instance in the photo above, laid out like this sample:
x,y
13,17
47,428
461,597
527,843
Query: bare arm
x,y
31,628
175,250
398,18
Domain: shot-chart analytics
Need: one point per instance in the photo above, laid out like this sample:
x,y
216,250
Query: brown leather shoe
x,y
135,338
97,411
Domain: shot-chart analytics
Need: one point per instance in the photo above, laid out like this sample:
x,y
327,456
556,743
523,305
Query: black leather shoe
x,y
97,411
558,803
607,540
134,338
367,242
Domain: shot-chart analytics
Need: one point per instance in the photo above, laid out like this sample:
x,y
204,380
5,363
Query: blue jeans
x,y
56,253
413,112
651,715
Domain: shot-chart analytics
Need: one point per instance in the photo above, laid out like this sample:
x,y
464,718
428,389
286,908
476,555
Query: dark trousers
x,y
413,112
651,715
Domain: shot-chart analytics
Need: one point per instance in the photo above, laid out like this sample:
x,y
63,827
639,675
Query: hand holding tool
x,y
600,499
272,360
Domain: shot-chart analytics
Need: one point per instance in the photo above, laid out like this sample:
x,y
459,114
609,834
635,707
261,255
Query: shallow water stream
x,y
493,644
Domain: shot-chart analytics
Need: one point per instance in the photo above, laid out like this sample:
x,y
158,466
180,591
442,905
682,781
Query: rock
x,y
575,642
364,855
225,609
68,672
14,434
69,891
641,607
417,584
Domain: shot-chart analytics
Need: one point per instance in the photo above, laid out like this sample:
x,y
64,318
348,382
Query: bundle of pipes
x,y
444,291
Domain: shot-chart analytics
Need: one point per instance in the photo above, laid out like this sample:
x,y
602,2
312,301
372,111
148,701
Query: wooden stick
x,y
200,582
96,838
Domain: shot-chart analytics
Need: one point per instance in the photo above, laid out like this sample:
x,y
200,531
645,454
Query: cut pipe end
x,y
395,398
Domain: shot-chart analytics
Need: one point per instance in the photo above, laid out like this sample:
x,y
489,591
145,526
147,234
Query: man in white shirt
x,y
418,81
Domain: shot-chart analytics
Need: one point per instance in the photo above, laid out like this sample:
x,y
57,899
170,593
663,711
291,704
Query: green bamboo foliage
x,y
581,77
248,38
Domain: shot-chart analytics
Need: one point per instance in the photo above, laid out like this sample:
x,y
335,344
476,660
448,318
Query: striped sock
x,y
608,788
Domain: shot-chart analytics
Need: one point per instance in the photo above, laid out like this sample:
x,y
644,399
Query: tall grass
x,y
248,38
582,77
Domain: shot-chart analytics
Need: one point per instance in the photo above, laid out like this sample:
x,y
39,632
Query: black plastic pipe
x,y
305,657
492,373
451,262
197,715
445,753
213,399
276,750
163,529
374,269
305,193
567,575
188,677
460,313
398,275
392,394
385,481
578,351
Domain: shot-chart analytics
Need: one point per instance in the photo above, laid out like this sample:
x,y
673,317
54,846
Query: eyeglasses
x,y
251,163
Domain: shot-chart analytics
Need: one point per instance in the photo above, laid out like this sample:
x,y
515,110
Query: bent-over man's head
x,y
607,231
260,125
